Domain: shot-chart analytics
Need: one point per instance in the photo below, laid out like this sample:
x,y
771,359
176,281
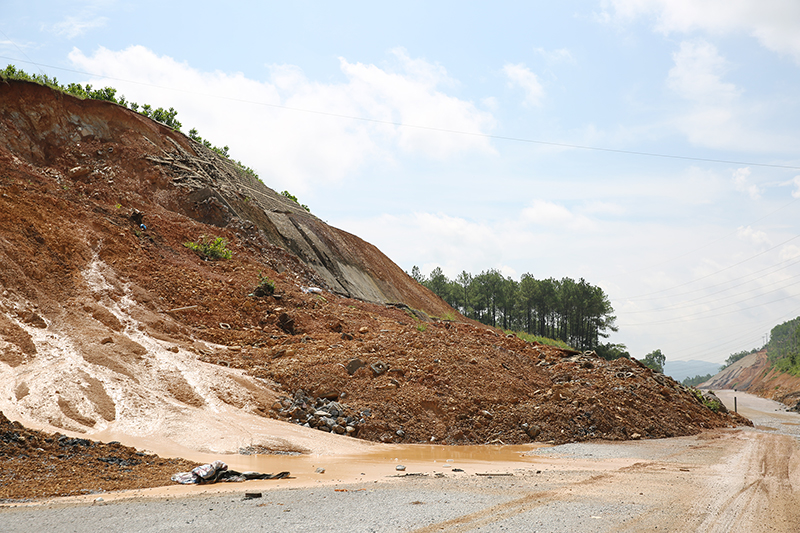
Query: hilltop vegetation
x,y
168,117
574,312
783,348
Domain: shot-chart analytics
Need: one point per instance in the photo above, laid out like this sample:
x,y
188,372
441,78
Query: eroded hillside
x,y
754,374
109,325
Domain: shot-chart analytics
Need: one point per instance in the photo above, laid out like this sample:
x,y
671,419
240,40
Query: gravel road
x,y
725,480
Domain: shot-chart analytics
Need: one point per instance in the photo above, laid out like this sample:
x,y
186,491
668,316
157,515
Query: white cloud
x,y
545,213
773,23
796,191
755,236
697,74
490,103
561,55
715,116
740,182
603,208
522,77
72,26
790,251
294,149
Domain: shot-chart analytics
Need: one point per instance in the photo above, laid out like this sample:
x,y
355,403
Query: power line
x,y
21,51
434,128
716,272
690,303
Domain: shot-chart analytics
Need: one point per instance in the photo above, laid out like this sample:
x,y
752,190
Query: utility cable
x,y
434,128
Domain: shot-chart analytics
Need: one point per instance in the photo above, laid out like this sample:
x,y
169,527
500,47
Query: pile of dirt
x,y
108,321
42,465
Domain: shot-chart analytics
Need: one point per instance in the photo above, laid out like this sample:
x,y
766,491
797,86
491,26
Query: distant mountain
x,y
680,370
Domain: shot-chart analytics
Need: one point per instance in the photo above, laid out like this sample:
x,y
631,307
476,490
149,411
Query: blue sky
x,y
449,133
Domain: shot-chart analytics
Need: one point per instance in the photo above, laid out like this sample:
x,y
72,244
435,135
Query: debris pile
x,y
40,465
318,413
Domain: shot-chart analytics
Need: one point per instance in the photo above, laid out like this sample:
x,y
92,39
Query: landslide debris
x,y
96,205
39,465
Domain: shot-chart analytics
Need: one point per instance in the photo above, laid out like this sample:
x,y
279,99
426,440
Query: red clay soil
x,y
754,374
40,465
452,382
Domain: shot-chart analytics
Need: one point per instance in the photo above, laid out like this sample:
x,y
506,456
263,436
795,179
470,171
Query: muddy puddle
x,y
380,461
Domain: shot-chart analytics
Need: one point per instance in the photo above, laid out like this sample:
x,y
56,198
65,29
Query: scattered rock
x,y
286,323
378,368
353,365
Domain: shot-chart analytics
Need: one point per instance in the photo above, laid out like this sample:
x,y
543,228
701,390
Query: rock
x,y
347,337
400,468
363,330
533,431
329,395
34,320
286,323
320,470
353,365
378,368
400,433
78,172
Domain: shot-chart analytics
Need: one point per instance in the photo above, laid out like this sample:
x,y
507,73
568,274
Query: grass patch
x,y
541,340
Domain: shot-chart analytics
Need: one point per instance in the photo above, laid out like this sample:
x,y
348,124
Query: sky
x,y
651,147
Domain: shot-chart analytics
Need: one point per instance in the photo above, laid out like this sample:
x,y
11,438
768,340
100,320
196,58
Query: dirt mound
x,y
109,323
41,465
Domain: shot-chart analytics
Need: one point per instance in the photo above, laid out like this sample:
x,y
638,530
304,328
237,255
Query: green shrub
x,y
293,198
265,287
215,249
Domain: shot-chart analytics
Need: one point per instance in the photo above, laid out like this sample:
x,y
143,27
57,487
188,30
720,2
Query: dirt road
x,y
723,480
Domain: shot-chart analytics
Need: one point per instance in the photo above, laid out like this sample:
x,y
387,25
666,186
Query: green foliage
x,y
736,356
714,405
293,198
654,360
697,380
210,249
575,312
541,340
783,348
107,94
449,316
611,351
422,328
417,275
265,287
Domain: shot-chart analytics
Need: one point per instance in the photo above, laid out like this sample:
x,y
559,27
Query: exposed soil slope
x,y
754,375
112,328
